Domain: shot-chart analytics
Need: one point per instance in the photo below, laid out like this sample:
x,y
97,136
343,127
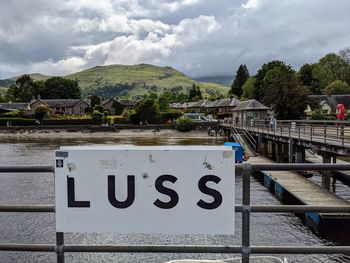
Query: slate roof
x,y
54,103
176,105
333,100
14,106
197,104
121,101
223,103
250,105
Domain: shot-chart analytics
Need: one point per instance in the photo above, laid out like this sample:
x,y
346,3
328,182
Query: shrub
x,y
169,115
98,108
97,117
88,110
41,112
184,124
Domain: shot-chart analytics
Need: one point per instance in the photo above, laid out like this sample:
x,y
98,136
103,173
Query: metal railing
x,y
332,132
246,209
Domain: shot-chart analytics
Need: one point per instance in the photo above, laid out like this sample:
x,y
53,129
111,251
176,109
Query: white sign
x,y
131,189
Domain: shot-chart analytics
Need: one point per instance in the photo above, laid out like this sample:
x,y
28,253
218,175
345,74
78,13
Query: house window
x,y
81,110
256,115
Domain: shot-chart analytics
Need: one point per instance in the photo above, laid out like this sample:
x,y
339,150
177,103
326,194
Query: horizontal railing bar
x,y
299,166
238,208
28,247
239,167
26,169
299,209
152,249
177,249
27,208
300,250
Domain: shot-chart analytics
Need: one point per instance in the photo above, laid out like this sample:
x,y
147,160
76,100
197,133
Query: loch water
x,y
266,229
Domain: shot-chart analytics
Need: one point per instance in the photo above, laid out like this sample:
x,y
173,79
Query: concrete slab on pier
x,y
318,159
301,188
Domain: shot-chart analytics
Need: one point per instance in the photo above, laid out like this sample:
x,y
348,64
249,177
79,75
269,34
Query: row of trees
x,y
26,88
286,91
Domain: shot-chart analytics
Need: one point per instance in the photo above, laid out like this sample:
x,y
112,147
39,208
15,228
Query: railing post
x,y
247,170
59,247
311,132
342,134
325,132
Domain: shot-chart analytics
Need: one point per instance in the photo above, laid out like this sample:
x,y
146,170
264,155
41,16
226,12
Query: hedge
x,y
17,122
68,122
170,115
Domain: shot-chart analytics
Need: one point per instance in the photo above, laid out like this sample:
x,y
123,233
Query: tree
x,y
287,98
94,101
261,82
195,92
60,88
329,68
165,99
337,87
23,90
242,75
345,55
248,88
305,75
147,110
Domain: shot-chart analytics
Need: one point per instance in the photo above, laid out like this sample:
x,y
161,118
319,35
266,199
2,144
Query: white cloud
x,y
200,37
251,4
61,67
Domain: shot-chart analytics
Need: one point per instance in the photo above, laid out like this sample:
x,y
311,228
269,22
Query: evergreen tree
x,y
265,75
286,97
242,75
195,92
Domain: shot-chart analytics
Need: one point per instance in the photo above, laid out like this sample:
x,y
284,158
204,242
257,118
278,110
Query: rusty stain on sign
x,y
151,158
207,165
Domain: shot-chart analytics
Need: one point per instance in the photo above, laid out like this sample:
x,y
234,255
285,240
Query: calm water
x,y
266,229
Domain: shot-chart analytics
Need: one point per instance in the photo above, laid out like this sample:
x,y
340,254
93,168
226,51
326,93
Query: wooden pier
x,y
293,188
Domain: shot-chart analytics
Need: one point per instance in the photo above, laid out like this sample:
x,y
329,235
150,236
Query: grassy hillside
x,y
34,76
124,80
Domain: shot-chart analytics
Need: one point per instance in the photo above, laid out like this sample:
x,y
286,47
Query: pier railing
x,y
312,130
246,208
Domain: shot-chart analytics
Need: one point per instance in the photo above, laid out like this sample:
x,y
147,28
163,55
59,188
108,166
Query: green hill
x,y
122,80
136,80
34,76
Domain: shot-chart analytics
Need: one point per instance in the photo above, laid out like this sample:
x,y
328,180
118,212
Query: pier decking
x,y
293,188
303,189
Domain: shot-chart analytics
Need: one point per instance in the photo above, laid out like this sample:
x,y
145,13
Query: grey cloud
x,y
199,37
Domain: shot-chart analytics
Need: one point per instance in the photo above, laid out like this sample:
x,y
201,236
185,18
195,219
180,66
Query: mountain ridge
x,y
134,80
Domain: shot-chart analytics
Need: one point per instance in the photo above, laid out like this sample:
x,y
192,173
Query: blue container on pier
x,y
238,148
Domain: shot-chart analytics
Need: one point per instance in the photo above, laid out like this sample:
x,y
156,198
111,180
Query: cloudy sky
x,y
198,37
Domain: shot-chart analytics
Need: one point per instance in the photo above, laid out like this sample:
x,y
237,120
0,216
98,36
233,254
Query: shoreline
x,y
66,134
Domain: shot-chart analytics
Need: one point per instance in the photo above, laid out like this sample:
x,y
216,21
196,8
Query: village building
x,y
249,110
328,103
196,106
118,106
13,106
221,106
63,106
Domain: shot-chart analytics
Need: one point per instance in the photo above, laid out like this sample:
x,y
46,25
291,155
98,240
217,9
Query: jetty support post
x,y
326,175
